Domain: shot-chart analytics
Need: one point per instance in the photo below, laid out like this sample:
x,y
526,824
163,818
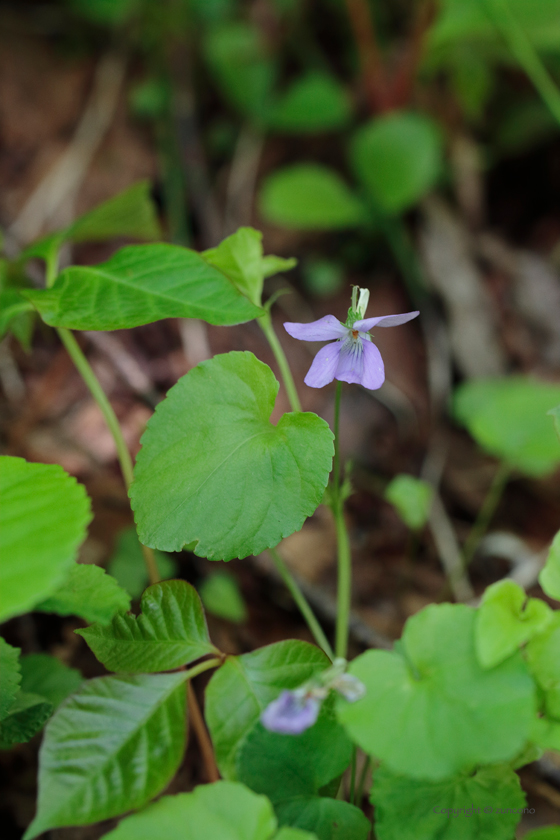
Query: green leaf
x,y
241,689
87,591
412,498
431,710
505,620
328,819
10,670
284,766
398,157
110,748
48,676
221,597
128,568
138,285
106,12
44,516
223,810
308,196
14,312
289,833
210,447
484,806
131,213
549,577
314,102
545,733
170,632
26,716
507,418
240,258
543,656
549,832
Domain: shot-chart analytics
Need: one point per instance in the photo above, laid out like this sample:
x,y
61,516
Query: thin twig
x,y
371,62
204,742
243,178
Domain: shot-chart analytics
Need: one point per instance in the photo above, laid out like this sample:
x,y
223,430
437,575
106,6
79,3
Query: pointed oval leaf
x,y
10,671
328,819
111,747
308,196
505,620
242,688
43,519
484,806
170,632
25,718
223,810
212,467
87,591
48,676
138,285
130,213
432,711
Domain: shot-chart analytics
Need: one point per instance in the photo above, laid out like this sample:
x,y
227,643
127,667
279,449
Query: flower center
x,y
354,334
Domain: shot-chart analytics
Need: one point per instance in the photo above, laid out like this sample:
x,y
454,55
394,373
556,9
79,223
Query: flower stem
x,y
98,394
302,603
486,512
352,796
343,542
265,323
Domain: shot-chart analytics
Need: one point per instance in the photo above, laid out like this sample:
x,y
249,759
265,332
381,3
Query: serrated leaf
x,y
221,597
111,747
314,102
398,157
328,819
308,196
44,516
10,671
128,567
505,620
240,257
210,447
486,805
241,689
431,710
138,285
543,656
87,591
131,213
224,810
284,766
170,632
549,577
507,418
49,677
26,716
412,498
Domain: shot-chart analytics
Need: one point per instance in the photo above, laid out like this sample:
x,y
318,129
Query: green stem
x,y
265,323
98,394
302,603
351,798
203,666
524,51
486,512
344,558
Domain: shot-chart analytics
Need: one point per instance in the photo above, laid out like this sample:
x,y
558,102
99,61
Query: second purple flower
x,y
352,356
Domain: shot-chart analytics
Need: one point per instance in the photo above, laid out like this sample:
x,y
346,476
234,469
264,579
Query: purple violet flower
x,y
351,356
291,713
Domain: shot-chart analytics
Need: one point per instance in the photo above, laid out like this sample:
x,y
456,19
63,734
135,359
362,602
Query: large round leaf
x,y
432,711
44,515
508,418
213,469
398,159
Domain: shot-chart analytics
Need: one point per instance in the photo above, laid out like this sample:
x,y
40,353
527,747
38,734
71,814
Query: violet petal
x,y
351,364
290,713
384,321
324,365
374,370
325,329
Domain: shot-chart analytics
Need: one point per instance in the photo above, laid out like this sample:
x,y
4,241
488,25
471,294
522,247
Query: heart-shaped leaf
x,y
128,567
170,632
543,656
87,591
138,285
314,102
504,621
412,498
431,710
328,819
213,469
549,577
44,515
241,689
110,748
484,806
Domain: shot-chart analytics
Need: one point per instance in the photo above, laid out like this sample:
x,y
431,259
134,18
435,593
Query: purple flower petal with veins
x,y
291,713
351,356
